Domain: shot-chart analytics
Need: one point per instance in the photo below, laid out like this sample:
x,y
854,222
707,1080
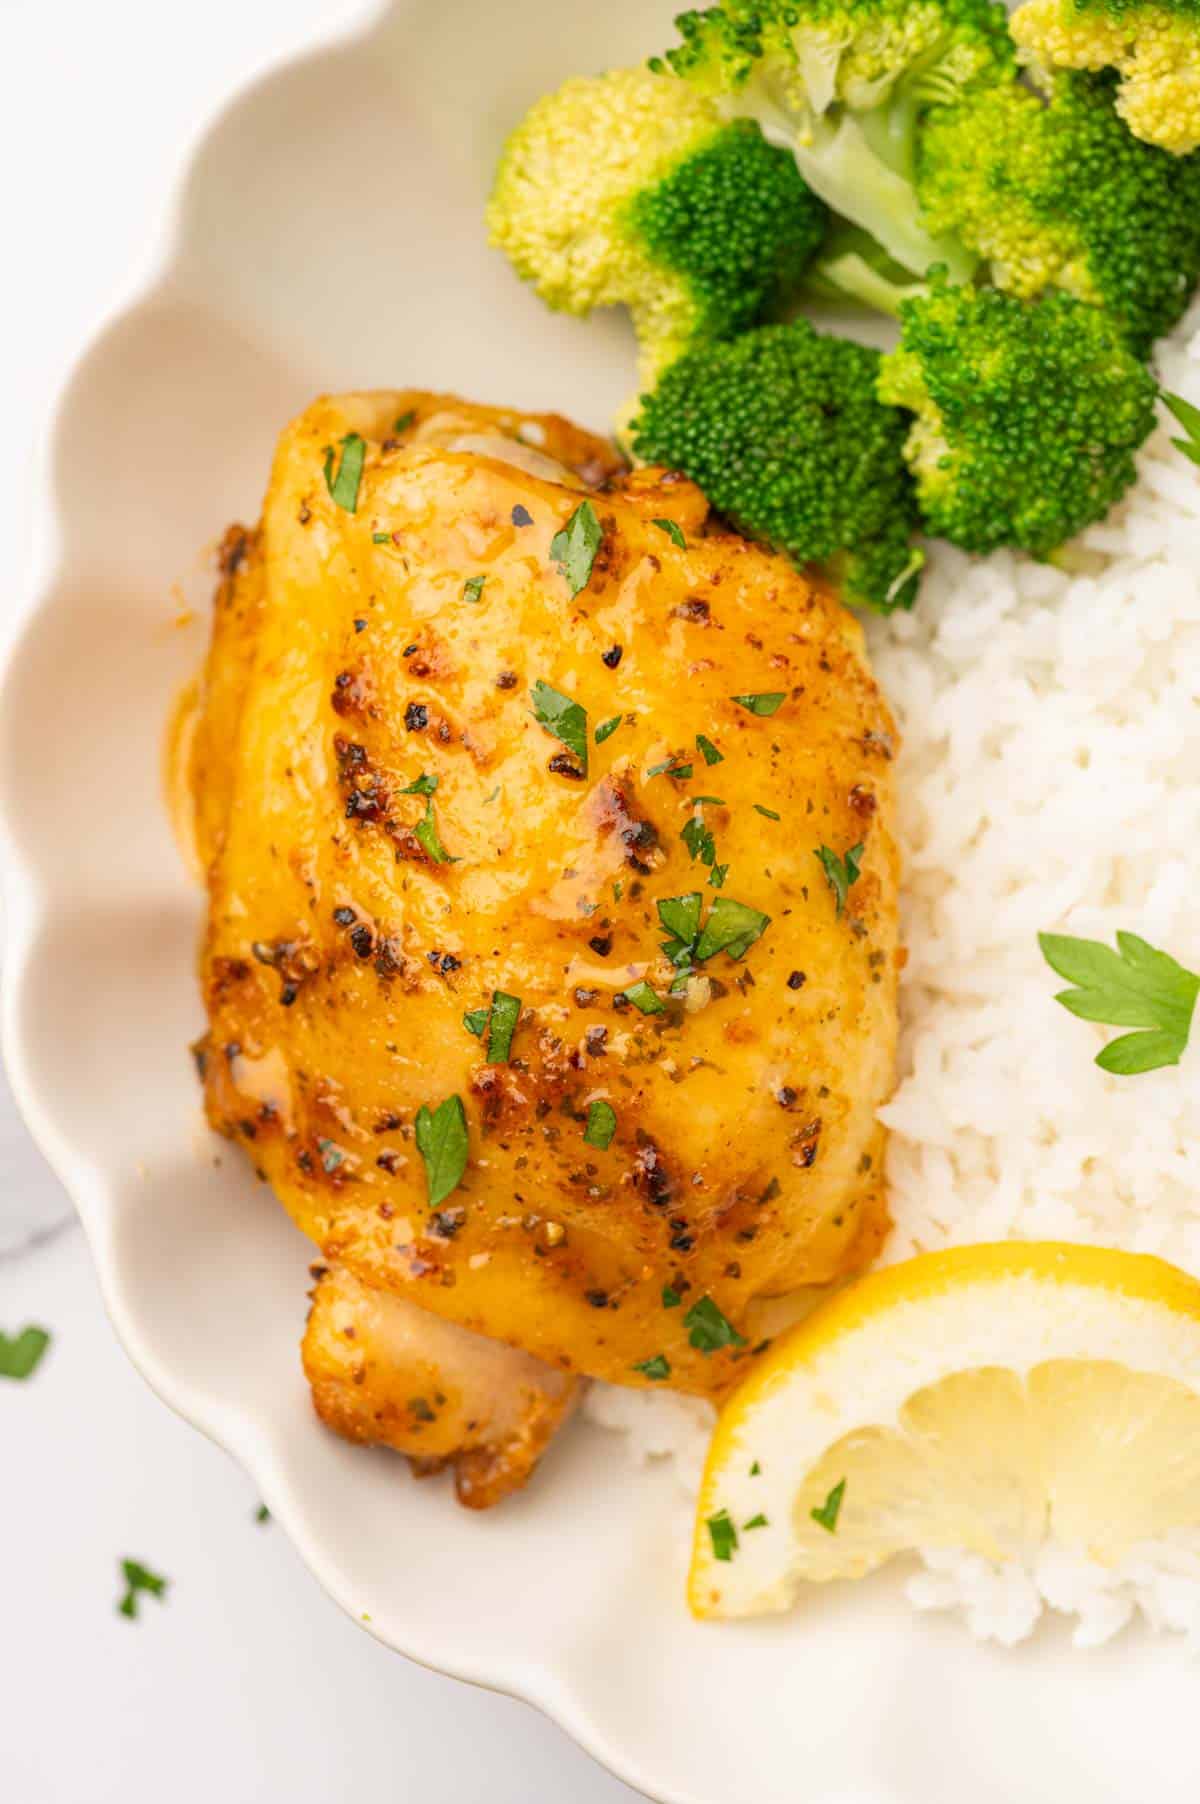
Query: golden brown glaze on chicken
x,y
384,1371
358,912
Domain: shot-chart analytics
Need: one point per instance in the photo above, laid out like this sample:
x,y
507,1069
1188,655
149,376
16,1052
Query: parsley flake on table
x,y
343,487
601,1124
565,719
723,1535
827,1514
840,873
505,1013
262,1513
656,1369
21,1354
1135,986
708,750
709,1329
1189,418
442,1142
139,1578
673,531
573,548
473,588
762,705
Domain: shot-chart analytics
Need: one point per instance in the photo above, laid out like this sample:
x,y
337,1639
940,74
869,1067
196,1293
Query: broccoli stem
x,y
852,275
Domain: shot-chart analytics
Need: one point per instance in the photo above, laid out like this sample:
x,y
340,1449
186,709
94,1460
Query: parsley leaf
x,y
671,1298
475,1020
405,420
699,841
718,875
1136,986
709,750
139,1578
607,728
656,1369
682,771
573,548
827,1515
21,1354
769,812
427,834
563,718
759,1521
708,1329
262,1513
723,1535
601,1124
769,703
840,873
680,915
424,785
1189,418
381,538
644,998
344,486
473,588
442,1142
755,1469
505,1013
732,927
673,531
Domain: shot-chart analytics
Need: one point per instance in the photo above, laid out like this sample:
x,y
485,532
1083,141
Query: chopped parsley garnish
x,y
424,785
680,915
139,1578
262,1513
827,1515
755,1470
344,486
732,927
759,1521
505,1013
765,704
671,1298
643,998
405,420
673,531
769,812
427,834
656,1369
601,1124
708,1329
332,1155
723,1535
475,1020
562,717
682,771
607,728
21,1354
840,873
715,801
473,588
718,875
1189,418
708,750
699,841
573,548
381,538
1136,986
442,1142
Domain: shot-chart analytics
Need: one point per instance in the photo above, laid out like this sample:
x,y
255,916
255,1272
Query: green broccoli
x,y
783,431
630,189
844,84
1153,45
1028,414
1061,195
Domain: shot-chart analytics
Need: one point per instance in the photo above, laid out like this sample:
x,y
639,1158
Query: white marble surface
x,y
246,1685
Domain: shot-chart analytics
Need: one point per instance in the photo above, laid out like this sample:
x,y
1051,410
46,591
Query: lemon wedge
x,y
987,1399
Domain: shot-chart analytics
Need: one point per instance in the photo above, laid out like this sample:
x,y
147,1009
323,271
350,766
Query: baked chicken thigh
x,y
551,952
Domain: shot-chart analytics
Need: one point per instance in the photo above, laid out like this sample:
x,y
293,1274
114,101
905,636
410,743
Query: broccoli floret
x,y
1061,195
630,189
844,84
1028,414
783,431
1153,45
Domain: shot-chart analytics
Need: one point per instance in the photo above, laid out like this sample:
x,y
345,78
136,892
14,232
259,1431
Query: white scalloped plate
x,y
328,236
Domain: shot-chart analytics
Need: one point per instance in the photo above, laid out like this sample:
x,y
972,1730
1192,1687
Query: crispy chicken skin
x,y
382,1370
354,653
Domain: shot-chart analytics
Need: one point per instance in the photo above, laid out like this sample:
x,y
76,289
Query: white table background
x,y
247,1686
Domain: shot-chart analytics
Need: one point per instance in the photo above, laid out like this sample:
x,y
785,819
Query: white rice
x,y
1050,779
